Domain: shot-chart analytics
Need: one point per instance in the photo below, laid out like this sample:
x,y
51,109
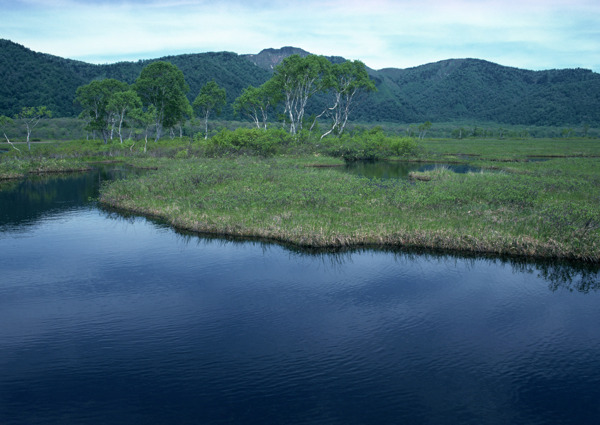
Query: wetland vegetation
x,y
253,183
548,209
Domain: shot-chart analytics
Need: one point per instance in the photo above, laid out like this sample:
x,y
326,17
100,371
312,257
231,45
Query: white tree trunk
x,y
121,117
206,125
10,143
28,134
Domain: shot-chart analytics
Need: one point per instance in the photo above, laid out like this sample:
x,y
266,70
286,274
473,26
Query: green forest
x,y
461,90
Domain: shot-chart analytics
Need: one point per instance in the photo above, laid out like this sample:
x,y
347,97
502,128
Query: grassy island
x,y
548,209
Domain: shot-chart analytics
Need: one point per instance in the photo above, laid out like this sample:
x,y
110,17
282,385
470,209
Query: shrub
x,y
403,146
182,154
371,144
246,141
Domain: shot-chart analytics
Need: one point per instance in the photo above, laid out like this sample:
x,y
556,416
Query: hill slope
x,y
31,78
478,90
454,89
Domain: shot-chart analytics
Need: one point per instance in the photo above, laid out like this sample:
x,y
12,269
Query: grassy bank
x,y
548,209
512,149
13,168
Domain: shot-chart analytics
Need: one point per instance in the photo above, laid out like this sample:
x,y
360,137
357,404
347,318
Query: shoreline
x,y
520,248
282,201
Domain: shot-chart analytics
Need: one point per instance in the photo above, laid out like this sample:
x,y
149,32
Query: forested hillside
x,y
455,89
30,78
471,89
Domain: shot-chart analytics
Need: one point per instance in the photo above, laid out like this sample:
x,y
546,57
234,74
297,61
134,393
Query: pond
x,y
400,169
113,319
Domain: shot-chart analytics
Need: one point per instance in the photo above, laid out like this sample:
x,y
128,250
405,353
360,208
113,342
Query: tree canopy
x,y
162,85
347,81
121,103
211,98
296,80
257,102
444,91
96,99
299,79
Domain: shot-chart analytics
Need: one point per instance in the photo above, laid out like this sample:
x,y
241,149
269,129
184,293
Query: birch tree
x,y
423,128
4,122
211,98
120,104
187,115
256,102
31,116
95,98
347,81
162,85
145,119
298,80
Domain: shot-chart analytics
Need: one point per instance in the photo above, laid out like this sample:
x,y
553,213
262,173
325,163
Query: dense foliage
x,y
477,90
456,89
162,88
96,98
30,78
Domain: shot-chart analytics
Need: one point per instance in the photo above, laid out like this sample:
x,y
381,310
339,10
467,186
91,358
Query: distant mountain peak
x,y
286,50
269,58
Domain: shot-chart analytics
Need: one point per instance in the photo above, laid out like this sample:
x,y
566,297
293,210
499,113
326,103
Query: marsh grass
x,y
289,191
438,173
18,168
552,211
512,149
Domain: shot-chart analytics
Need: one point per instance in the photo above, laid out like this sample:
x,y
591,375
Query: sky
x,y
529,34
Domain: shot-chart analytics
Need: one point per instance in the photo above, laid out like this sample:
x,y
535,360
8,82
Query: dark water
x,y
113,320
400,170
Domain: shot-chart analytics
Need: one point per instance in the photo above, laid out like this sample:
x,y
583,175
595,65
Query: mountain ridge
x,y
447,90
269,58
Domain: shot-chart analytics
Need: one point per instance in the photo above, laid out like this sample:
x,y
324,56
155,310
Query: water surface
x,y
108,319
400,169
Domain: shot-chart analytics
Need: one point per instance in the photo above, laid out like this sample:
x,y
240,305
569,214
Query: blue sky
x,y
531,34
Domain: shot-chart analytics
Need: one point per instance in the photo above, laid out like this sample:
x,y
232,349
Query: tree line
x,y
460,90
157,100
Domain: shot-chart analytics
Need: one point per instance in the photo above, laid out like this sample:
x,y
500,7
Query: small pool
x,y
400,170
